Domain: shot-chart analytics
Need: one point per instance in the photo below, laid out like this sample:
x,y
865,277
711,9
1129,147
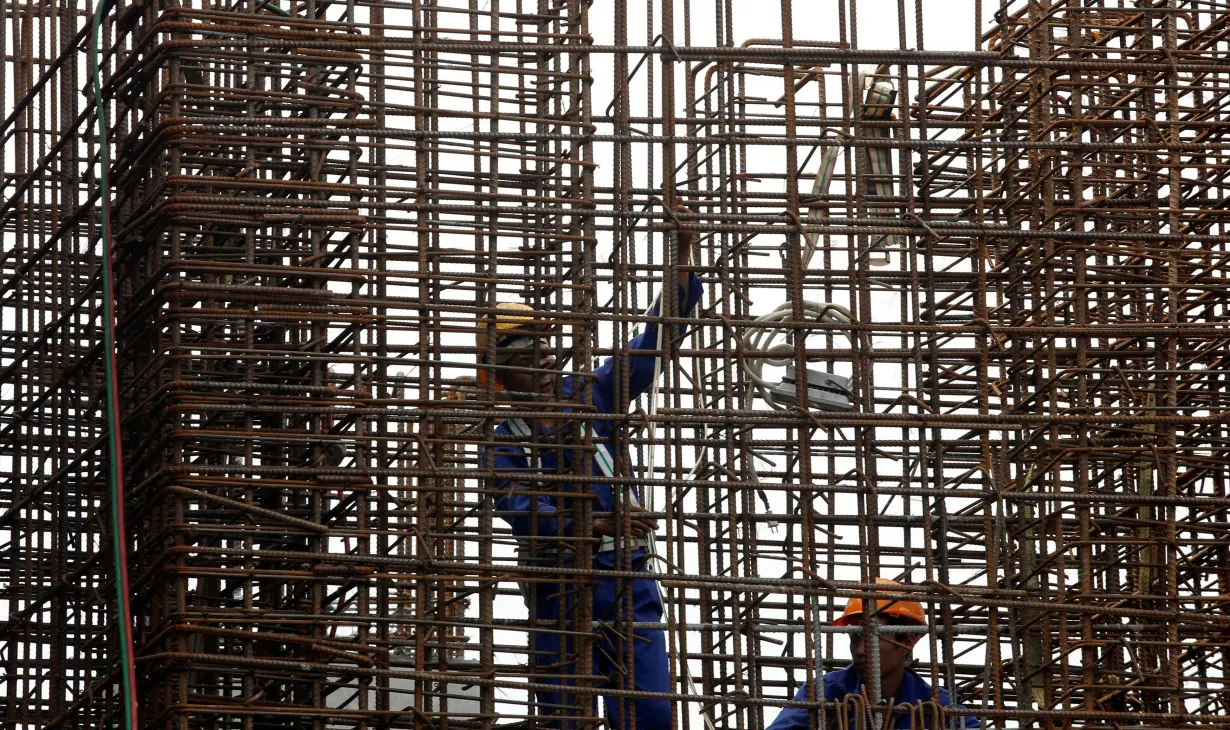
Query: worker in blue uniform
x,y
899,684
528,373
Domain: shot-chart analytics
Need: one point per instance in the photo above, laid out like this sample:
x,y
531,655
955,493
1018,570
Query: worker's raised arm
x,y
645,349
643,353
684,243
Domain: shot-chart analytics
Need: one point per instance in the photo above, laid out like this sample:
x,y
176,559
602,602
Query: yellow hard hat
x,y
909,610
513,321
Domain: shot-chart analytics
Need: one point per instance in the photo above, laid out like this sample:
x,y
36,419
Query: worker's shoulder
x,y
915,689
599,396
506,449
841,682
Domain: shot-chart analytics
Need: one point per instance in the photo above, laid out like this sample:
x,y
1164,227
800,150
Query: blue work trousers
x,y
556,655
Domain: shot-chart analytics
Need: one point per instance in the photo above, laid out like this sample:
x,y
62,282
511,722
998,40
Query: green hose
x,y
115,456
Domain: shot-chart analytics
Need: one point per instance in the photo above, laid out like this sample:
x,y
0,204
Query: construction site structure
x,y
995,237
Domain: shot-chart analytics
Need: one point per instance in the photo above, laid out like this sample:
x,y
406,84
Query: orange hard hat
x,y
909,610
512,321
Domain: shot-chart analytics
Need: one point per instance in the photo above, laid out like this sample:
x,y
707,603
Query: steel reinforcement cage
x,y
999,227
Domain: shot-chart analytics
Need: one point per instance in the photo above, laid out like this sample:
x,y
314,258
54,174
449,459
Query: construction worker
x,y
545,521
899,684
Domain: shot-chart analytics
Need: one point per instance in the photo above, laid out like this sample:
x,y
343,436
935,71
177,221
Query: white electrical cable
x,y
877,105
652,553
819,188
775,324
653,542
653,431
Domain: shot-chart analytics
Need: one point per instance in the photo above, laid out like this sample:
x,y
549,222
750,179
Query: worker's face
x,y
530,375
894,651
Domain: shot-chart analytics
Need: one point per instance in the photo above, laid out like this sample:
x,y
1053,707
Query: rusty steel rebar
x,y
318,204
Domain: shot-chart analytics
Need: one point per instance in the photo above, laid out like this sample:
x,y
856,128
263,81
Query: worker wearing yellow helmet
x,y
542,513
523,351
899,684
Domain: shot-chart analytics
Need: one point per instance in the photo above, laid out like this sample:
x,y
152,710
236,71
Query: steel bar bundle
x,y
996,230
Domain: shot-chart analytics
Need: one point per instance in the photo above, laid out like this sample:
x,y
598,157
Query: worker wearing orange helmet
x,y
899,684
527,371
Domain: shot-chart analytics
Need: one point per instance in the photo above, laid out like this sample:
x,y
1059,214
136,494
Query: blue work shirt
x,y
512,457
843,682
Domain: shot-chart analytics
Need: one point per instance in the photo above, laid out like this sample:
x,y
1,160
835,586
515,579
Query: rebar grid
x,y
318,204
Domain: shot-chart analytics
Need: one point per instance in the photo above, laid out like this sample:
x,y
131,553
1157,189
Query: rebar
x,y
317,206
